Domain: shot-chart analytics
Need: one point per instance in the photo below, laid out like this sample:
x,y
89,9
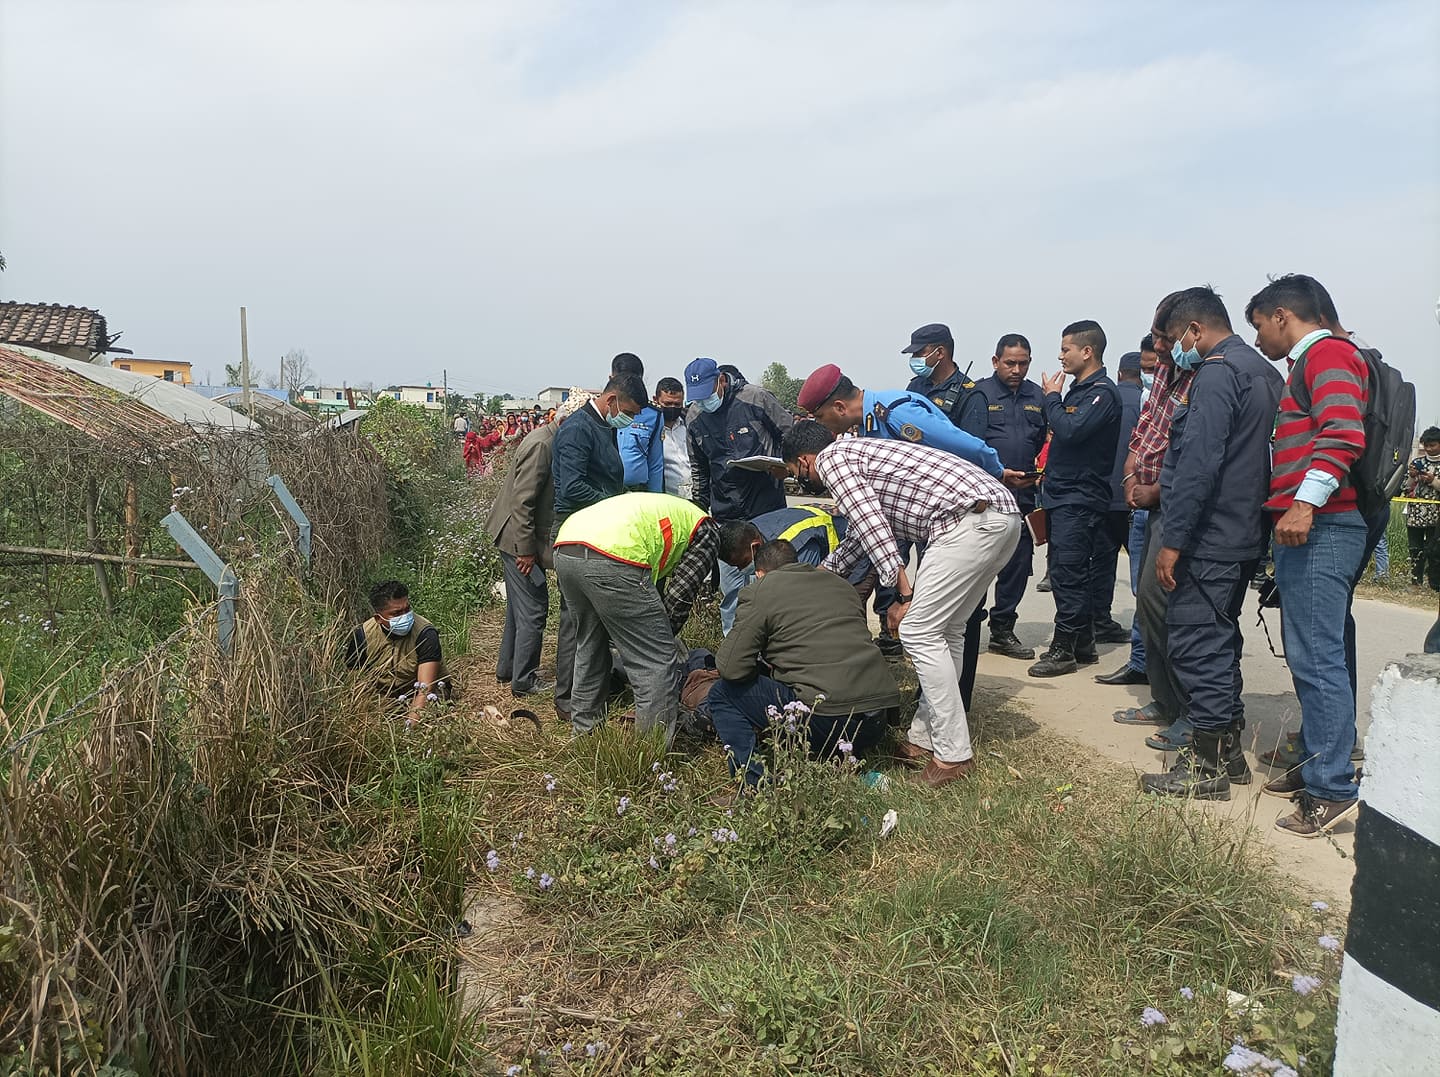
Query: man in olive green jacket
x,y
800,638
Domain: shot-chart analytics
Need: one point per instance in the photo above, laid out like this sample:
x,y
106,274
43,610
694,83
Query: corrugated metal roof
x,y
109,403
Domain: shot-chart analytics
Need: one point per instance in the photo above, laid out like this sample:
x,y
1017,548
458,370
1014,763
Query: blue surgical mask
x,y
401,625
918,367
712,402
620,420
1185,358
1147,379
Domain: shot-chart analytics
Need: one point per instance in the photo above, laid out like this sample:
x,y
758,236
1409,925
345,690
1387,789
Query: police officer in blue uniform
x,y
813,530
1085,424
939,380
1015,429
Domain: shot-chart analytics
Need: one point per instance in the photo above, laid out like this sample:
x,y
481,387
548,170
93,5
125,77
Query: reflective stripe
x,y
817,517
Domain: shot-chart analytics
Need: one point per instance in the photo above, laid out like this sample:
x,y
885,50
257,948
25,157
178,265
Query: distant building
x,y
517,406
176,370
72,332
552,396
428,397
330,399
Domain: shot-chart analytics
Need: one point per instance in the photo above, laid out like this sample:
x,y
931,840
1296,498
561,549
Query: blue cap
x,y
1130,361
700,378
926,335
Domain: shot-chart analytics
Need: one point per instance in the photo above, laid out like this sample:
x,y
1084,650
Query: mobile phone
x,y
1033,474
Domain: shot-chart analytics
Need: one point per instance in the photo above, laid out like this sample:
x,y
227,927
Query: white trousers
x,y
957,570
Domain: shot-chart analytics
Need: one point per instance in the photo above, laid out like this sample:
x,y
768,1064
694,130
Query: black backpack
x,y
1389,432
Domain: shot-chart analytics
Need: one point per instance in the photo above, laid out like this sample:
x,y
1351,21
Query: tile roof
x,y
52,325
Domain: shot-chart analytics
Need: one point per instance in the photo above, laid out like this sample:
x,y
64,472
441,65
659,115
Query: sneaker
x,y
1313,816
1044,585
1287,785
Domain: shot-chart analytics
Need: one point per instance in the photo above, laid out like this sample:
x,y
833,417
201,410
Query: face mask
x,y
712,403
401,625
619,420
1147,379
1185,359
918,367
672,412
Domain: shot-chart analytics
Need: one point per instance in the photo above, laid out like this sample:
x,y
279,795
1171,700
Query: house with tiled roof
x,y
73,332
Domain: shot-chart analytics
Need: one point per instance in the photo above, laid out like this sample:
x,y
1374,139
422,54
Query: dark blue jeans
x,y
1316,583
1205,641
1114,533
1135,547
1075,535
737,709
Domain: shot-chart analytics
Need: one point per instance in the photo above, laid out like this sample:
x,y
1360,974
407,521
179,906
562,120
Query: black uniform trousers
x,y
1075,538
1010,584
1203,620
1112,539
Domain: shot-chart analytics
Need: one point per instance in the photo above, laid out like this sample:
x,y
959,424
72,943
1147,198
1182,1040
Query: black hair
x,y
1087,334
775,554
1430,433
1147,342
1329,316
1202,304
1302,296
386,592
627,363
736,537
804,438
1162,313
1011,340
628,386
668,385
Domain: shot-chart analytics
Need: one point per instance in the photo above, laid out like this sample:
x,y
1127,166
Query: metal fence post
x,y
221,575
302,522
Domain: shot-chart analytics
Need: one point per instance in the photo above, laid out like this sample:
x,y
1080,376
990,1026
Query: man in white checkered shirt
x,y
970,525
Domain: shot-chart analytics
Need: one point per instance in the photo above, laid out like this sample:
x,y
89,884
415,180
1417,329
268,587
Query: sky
x,y
507,194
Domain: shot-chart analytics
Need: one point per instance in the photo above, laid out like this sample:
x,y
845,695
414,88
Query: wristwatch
x,y
901,600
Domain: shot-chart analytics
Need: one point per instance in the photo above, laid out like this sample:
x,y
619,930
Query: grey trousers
x,y
616,603
527,605
1151,603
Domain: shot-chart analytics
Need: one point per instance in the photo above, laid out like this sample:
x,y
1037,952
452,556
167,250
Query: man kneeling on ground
x,y
808,626
399,651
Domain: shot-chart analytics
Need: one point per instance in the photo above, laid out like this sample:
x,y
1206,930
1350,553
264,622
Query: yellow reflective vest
x,y
648,530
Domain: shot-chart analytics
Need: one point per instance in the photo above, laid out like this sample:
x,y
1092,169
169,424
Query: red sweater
x,y
1327,436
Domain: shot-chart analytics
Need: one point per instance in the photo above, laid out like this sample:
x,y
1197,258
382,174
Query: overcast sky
x,y
515,192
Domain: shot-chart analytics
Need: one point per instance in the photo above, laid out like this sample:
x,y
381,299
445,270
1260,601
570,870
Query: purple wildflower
x,y
1303,984
1329,942
492,861
1319,906
546,881
529,873
655,863
620,807
512,1071
1150,1016
549,780
1187,994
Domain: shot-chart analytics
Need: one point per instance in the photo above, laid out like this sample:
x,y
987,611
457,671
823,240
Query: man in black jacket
x,y
585,464
730,419
1214,481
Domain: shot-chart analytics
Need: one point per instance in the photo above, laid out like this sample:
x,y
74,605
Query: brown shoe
x,y
937,773
1286,786
912,755
1313,816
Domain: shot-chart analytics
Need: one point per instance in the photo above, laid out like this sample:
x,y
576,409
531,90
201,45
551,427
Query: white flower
x,y
1319,906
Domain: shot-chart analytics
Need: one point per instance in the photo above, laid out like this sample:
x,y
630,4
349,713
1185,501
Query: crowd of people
x,y
1204,459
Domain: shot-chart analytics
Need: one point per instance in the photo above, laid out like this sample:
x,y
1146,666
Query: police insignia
x,y
938,401
881,411
910,432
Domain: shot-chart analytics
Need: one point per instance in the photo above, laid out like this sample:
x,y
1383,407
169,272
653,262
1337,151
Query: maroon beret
x,y
818,387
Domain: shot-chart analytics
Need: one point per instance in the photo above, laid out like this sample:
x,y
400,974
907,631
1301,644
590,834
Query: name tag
x,y
1028,407
997,407
743,430
1070,411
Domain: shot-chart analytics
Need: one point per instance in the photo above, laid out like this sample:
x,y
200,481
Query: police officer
x,y
940,381
1086,428
1015,414
812,530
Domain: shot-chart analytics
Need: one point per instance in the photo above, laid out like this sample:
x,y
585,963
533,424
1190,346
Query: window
x,y
339,396
429,398
395,395
124,366
169,375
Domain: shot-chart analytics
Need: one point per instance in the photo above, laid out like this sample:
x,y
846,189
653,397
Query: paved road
x,y
1081,709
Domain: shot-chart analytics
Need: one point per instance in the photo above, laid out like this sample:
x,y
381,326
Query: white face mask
x,y
1147,379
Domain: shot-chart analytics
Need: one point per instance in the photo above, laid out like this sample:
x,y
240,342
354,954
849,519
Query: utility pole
x,y
445,391
245,364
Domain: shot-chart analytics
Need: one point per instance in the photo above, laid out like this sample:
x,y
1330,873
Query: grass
x,y
1016,923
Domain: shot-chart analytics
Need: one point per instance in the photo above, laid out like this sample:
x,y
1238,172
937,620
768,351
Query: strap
x,y
817,517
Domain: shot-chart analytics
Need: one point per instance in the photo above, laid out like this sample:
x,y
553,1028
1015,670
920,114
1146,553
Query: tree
x,y
781,385
232,373
495,405
295,371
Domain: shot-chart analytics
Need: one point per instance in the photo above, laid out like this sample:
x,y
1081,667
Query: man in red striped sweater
x,y
1320,539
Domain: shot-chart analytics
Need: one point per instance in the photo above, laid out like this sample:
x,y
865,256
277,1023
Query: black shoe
x,y
1004,641
1126,674
1058,660
1044,585
1197,772
1111,632
889,646
1085,653
1235,765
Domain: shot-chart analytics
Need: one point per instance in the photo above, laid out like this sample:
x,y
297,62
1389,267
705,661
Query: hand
x,y
1017,480
525,563
894,615
1427,477
1165,566
1142,495
1293,529
1053,383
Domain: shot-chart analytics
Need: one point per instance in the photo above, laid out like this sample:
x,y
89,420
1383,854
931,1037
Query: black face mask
x,y
672,412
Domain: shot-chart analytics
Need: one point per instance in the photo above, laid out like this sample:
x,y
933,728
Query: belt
x,y
576,550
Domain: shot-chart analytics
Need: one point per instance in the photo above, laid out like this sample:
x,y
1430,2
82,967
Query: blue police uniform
x,y
1015,429
957,400
914,418
813,531
1076,494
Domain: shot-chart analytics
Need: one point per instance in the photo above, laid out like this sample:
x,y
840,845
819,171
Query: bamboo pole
x,y
92,536
45,553
132,528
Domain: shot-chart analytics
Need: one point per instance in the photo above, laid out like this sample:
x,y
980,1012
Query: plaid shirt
x,y
1152,433
691,573
892,489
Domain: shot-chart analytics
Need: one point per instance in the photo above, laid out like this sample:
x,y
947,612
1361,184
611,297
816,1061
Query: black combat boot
x,y
1085,653
1109,630
1236,767
1199,770
1003,639
1059,659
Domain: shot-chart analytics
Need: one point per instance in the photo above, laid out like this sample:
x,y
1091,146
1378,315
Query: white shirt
x,y
677,458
